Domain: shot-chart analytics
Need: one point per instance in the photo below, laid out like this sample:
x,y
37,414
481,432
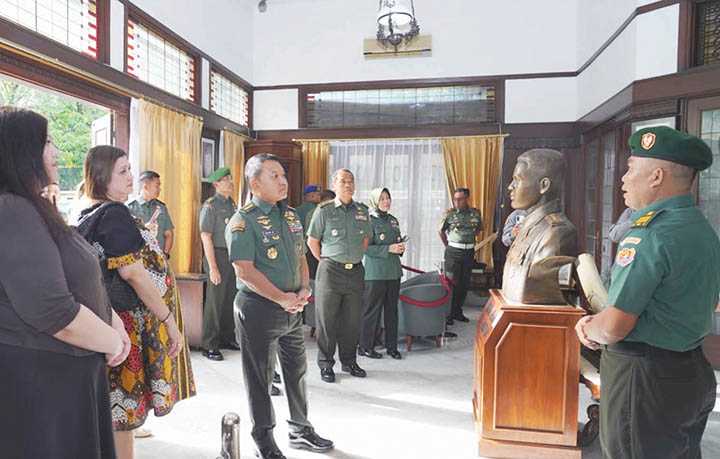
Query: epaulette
x,y
161,203
238,224
210,200
326,203
555,219
362,205
645,219
248,207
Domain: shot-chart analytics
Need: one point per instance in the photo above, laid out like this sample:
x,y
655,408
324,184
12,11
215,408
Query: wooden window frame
x,y
139,17
244,85
687,40
103,33
498,84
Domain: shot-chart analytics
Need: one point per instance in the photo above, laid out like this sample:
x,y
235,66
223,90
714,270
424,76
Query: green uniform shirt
x,y
271,236
379,263
341,230
144,210
214,217
667,272
303,210
461,225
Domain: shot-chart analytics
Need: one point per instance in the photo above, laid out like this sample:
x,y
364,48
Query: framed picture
x,y
208,156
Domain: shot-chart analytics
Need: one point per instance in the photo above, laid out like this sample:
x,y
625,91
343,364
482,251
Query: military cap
x,y
662,142
311,189
217,175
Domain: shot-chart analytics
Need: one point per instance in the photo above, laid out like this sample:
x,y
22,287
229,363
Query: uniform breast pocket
x,y
271,250
335,233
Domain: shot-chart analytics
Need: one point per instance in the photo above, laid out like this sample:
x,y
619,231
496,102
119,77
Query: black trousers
x,y
655,403
458,267
381,296
264,331
312,264
338,307
218,321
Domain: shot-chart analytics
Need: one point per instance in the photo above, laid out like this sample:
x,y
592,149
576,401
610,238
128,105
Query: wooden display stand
x,y
190,289
525,401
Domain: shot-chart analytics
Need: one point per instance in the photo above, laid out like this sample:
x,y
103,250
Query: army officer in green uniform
x,y
658,388
152,211
267,250
311,197
382,277
458,229
338,236
218,322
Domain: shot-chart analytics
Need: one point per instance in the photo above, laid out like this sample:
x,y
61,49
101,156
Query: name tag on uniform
x,y
631,240
361,217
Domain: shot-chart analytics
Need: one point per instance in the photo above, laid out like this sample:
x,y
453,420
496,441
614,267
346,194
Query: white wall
x,y
223,29
542,100
647,48
314,41
275,109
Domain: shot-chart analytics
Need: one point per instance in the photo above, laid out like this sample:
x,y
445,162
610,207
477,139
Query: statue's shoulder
x,y
559,220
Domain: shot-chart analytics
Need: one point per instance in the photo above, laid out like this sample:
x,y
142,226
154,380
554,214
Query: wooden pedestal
x,y
190,289
525,399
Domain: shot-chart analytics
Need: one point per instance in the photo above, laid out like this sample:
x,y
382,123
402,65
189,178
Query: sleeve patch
x,y
625,256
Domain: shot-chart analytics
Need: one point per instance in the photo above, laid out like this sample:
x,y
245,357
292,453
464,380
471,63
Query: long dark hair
x,y
23,136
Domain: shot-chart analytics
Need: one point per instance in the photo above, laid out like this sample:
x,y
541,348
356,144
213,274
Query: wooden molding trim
x,y
43,55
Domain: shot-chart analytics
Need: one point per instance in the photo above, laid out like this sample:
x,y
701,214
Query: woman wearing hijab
x,y
382,277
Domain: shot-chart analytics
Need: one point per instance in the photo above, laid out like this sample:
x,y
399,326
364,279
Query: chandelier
x,y
396,22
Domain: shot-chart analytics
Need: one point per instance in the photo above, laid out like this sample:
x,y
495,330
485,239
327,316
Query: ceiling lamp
x,y
396,22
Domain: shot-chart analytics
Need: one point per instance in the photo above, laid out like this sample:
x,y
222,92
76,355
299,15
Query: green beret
x,y
662,142
217,175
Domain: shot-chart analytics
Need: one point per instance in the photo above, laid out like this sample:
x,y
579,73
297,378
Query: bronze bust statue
x,y
547,241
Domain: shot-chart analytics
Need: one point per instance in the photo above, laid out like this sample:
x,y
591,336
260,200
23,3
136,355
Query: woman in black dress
x,y
57,330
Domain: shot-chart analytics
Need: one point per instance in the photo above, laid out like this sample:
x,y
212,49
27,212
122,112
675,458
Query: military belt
x,y
461,246
347,266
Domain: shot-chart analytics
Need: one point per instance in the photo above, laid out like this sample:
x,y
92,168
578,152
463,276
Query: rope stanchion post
x,y
230,437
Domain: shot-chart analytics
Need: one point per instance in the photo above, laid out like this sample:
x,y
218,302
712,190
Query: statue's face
x,y
524,188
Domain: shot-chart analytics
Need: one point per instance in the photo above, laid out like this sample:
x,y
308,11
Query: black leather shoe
x,y
449,334
213,354
233,346
269,452
275,390
276,378
327,375
371,353
395,354
355,370
460,318
309,440
449,321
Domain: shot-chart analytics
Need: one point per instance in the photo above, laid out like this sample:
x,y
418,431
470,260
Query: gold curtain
x,y
234,156
316,154
169,143
475,163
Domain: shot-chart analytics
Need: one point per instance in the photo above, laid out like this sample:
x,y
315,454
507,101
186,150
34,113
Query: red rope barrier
x,y
445,282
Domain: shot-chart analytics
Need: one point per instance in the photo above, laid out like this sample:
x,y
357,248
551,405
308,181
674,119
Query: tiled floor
x,y
415,408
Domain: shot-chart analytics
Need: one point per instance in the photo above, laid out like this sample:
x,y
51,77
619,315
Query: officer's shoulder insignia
x,y
238,224
645,219
625,256
325,203
248,207
362,205
555,219
631,240
161,203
